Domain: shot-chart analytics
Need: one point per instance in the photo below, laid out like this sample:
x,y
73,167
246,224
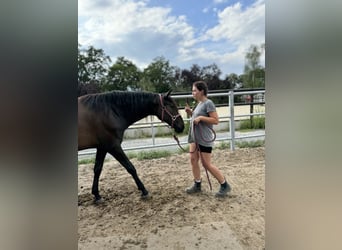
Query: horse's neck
x,y
138,112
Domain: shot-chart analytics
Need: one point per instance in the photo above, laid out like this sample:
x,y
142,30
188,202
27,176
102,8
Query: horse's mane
x,y
117,99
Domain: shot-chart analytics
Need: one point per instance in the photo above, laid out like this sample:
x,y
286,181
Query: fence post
x,y
153,132
231,120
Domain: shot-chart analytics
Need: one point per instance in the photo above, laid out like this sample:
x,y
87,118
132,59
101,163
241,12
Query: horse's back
x,y
86,133
96,128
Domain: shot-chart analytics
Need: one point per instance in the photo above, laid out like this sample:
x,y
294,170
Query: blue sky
x,y
185,32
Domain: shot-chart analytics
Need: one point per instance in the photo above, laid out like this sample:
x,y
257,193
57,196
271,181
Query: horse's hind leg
x,y
120,155
100,156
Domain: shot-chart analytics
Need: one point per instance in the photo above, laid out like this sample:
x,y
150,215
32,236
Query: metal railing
x,y
153,125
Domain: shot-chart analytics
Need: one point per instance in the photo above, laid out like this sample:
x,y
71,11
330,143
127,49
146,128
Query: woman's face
x,y
196,93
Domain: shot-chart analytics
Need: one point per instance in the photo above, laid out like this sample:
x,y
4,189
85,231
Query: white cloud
x,y
227,43
220,1
111,21
205,10
130,29
240,28
141,33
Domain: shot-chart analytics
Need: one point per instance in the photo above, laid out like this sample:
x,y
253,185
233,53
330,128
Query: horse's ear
x,y
168,93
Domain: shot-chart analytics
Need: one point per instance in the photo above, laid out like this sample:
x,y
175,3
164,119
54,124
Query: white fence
x,y
155,124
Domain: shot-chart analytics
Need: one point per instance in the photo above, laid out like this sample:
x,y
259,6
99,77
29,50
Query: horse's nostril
x,y
179,129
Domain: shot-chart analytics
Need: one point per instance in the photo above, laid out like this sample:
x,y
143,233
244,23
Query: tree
x,y
179,80
190,76
233,80
254,73
211,75
161,75
88,88
145,84
92,64
122,75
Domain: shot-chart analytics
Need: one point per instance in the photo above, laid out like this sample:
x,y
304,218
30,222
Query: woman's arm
x,y
188,110
212,119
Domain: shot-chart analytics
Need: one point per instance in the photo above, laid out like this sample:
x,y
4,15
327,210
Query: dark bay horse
x,y
103,119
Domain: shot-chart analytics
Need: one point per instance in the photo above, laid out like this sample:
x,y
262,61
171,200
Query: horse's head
x,y
168,112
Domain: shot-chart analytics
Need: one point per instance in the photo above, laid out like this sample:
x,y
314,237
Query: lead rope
x,y
178,143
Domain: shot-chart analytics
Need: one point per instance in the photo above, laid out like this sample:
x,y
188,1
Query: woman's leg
x,y
206,161
194,160
224,187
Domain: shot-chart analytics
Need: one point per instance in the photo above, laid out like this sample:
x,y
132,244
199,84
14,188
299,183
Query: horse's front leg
x,y
100,156
120,155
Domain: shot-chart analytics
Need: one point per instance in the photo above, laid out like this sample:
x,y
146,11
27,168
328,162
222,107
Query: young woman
x,y
203,117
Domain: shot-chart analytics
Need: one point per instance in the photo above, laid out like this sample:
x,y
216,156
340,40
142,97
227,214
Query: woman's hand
x,y
188,109
197,120
212,119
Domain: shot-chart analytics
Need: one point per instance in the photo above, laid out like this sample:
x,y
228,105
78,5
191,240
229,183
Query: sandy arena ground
x,y
172,219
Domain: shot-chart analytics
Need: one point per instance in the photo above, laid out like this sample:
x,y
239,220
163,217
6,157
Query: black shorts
x,y
205,149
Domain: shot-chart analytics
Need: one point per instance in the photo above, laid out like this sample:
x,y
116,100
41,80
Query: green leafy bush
x,y
257,122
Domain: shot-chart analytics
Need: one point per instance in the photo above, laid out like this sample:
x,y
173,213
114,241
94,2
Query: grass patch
x,y
250,144
223,145
245,130
257,122
186,149
87,161
143,155
155,154
146,155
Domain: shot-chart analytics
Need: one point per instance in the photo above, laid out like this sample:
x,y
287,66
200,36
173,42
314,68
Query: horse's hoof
x,y
99,201
146,196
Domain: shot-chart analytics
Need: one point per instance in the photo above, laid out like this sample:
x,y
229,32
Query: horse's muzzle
x,y
179,128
